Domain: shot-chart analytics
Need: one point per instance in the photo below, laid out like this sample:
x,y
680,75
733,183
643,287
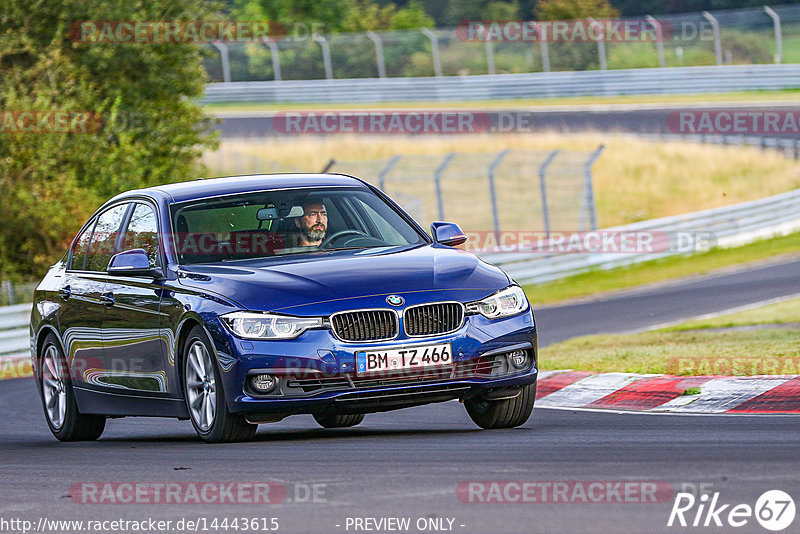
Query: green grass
x,y
692,348
595,283
780,313
740,96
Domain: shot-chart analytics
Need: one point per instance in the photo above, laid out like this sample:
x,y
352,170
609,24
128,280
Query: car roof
x,y
203,188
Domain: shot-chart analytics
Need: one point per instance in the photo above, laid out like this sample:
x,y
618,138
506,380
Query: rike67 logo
x,y
774,510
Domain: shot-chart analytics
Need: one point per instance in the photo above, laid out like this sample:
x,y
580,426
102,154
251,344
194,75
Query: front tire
x,y
506,413
338,420
58,398
205,397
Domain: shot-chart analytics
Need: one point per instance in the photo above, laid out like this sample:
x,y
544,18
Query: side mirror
x,y
446,233
132,262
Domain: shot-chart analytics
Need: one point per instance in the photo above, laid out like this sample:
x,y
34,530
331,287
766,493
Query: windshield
x,y
272,223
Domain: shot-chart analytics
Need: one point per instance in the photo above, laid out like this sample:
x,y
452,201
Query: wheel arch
x,y
44,331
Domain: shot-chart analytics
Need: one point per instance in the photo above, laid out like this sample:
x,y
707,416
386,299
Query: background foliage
x,y
153,130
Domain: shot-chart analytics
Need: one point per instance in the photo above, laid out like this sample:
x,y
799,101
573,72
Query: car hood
x,y
326,282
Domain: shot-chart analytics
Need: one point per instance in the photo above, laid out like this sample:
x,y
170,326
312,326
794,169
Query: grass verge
x,y
687,350
595,283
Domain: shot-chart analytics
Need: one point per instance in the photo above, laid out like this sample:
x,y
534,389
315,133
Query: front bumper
x,y
317,371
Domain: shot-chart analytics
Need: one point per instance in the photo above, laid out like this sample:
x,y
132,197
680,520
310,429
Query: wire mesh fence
x,y
757,35
511,190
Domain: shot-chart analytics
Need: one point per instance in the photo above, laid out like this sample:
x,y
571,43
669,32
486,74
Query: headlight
x,y
267,326
506,302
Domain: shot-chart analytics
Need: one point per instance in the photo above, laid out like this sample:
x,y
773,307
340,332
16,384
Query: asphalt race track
x,y
627,118
641,309
409,463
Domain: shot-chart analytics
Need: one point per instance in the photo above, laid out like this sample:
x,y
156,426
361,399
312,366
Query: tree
x,y
332,16
152,128
574,9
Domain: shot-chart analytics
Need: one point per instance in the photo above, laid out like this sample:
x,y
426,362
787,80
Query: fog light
x,y
518,359
263,383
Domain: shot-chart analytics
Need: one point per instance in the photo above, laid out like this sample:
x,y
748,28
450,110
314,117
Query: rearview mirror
x,y
446,233
132,262
281,212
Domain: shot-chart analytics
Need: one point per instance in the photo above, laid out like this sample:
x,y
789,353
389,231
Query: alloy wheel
x,y
201,386
54,387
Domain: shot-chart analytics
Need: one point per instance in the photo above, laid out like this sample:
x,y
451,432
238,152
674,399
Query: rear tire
x,y
205,397
338,420
507,413
58,398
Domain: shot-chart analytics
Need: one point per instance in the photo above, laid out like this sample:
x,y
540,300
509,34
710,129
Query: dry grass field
x,y
634,179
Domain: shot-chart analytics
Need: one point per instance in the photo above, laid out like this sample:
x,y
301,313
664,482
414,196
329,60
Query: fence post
x,y
776,21
589,189
276,61
378,53
715,29
437,177
8,292
659,40
492,191
326,55
543,50
489,56
543,189
386,170
328,165
223,56
601,44
437,61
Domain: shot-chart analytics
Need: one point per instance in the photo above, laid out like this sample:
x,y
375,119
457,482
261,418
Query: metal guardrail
x,y
733,225
669,80
14,331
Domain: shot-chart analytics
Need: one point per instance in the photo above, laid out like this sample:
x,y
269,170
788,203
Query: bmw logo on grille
x,y
395,300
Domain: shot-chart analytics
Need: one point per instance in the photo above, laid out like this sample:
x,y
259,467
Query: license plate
x,y
403,359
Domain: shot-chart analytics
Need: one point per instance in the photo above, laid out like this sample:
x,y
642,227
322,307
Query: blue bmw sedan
x,y
237,301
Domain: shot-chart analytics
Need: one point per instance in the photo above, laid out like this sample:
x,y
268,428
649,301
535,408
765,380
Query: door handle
x,y
65,292
107,299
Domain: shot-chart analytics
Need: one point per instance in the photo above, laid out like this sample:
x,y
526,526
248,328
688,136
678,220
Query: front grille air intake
x,y
433,319
365,325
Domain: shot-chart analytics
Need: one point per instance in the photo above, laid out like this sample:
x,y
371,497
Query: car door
x,y
81,293
134,351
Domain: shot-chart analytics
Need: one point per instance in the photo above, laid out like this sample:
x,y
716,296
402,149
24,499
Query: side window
x,y
142,232
79,250
105,235
388,234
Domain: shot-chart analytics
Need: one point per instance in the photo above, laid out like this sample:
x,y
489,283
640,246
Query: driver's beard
x,y
313,235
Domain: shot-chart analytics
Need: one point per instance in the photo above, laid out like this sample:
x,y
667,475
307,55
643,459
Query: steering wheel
x,y
339,234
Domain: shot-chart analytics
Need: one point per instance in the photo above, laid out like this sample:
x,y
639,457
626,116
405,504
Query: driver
x,y
312,225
